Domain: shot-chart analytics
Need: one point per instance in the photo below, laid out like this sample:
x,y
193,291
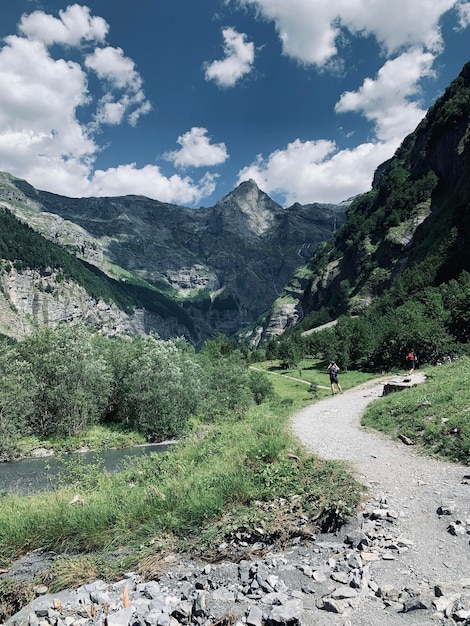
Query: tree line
x,y
434,320
59,382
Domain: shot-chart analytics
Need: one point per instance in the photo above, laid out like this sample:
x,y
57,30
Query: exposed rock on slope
x,y
418,209
224,264
44,299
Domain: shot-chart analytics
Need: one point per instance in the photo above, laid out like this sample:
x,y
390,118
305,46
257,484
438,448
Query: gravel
x,y
429,495
425,504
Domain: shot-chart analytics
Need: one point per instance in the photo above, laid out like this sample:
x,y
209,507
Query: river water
x,y
34,475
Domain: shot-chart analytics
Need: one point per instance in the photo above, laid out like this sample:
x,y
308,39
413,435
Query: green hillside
x,y
25,249
395,274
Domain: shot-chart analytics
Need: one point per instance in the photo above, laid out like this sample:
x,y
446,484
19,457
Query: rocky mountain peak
x,y
249,201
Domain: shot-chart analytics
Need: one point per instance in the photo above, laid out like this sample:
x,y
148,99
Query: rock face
x,y
43,299
224,265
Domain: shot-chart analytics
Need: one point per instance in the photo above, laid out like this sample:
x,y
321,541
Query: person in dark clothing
x,y
333,370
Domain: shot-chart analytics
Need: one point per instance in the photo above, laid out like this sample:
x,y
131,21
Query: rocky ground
x,y
403,560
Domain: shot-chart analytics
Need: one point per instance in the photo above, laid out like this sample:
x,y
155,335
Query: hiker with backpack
x,y
333,370
411,360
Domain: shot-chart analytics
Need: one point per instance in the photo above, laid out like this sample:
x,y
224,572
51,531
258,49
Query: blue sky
x,y
181,100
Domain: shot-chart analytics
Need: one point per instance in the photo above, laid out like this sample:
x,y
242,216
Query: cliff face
x,y
222,265
417,211
30,298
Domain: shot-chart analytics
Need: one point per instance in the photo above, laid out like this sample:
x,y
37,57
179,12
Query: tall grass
x,y
220,471
294,384
434,415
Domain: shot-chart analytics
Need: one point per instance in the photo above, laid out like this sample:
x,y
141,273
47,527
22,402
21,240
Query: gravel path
x,y
413,485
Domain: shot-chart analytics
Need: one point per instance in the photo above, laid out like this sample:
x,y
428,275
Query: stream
x,y
30,476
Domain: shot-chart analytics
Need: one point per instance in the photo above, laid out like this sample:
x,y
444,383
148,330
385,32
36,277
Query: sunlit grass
x,y
434,415
295,384
183,493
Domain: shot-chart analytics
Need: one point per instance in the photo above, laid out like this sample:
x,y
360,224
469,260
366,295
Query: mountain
x,y
417,216
192,272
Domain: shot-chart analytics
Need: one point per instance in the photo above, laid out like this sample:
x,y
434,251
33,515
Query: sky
x,y
182,100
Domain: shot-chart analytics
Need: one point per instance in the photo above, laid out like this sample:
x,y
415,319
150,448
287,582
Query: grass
x,y
434,415
294,384
225,479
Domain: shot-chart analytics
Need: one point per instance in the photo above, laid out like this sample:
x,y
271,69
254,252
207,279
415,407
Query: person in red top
x,y
411,359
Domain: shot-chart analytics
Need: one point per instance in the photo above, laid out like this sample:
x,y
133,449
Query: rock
x,y
333,606
287,614
416,603
446,508
406,440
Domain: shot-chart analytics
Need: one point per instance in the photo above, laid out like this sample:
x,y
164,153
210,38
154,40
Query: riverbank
x,y
50,471
231,477
94,439
396,561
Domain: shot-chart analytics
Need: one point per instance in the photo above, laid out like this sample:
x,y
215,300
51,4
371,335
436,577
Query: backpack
x,y
411,356
334,369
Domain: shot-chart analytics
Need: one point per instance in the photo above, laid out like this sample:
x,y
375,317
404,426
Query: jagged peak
x,y
249,197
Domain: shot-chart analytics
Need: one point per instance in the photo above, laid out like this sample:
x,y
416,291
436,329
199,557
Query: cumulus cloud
x,y
385,100
197,150
463,10
42,138
310,29
318,169
311,32
238,61
38,101
307,171
73,25
119,71
149,181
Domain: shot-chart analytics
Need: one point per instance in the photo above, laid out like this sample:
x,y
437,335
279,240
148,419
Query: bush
x,y
73,381
18,389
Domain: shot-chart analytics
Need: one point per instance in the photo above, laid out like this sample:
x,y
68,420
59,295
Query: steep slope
x,y
222,266
43,284
418,212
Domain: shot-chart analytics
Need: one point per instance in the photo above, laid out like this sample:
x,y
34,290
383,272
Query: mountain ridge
x,y
222,265
417,212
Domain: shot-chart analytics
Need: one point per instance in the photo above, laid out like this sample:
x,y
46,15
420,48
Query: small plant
x,y
14,595
76,472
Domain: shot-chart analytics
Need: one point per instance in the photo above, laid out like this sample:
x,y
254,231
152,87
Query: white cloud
x,y
149,181
38,100
463,10
197,150
111,64
41,137
238,61
119,72
307,171
73,25
310,29
385,100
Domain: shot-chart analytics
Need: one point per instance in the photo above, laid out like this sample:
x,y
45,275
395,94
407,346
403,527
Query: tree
x,y
73,380
18,389
261,386
158,386
227,386
289,353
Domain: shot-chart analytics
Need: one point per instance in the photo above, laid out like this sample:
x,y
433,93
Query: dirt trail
x,y
415,486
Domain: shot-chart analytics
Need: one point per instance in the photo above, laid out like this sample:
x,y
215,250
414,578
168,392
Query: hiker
x,y
333,370
411,359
